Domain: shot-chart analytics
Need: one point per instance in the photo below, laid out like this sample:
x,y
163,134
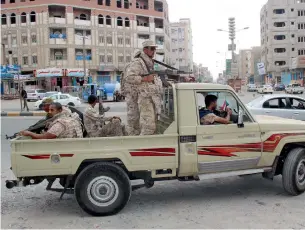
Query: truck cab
x,y
182,149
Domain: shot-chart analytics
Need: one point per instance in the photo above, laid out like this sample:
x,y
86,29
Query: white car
x,y
50,93
35,94
64,99
294,88
265,89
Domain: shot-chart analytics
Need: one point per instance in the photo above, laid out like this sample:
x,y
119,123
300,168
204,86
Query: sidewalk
x,y
21,114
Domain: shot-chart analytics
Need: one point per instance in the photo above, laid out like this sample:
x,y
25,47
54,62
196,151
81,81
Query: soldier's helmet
x,y
47,101
149,43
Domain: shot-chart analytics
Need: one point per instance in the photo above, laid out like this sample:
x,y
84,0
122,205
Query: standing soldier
x,y
142,89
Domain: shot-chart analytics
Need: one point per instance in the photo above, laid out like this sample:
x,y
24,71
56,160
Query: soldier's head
x,y
92,100
46,104
149,48
55,108
211,102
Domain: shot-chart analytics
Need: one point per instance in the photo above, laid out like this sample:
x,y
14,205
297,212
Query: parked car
x,y
279,87
50,93
251,88
35,94
64,99
294,89
265,89
280,105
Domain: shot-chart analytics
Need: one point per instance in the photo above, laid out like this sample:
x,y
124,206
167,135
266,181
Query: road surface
x,y
237,202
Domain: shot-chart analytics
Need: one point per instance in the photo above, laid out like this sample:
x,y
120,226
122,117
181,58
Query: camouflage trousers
x,y
148,116
133,114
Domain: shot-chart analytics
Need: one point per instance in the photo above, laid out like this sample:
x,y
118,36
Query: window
x,y
4,41
279,11
109,40
13,18
119,21
23,17
2,1
14,41
292,49
63,97
120,41
297,103
301,52
15,61
100,2
301,39
121,58
12,1
224,100
109,58
83,17
34,38
3,19
126,4
127,22
292,35
280,63
33,16
108,20
292,23
102,58
102,39
277,103
58,55
279,50
292,9
119,3
34,60
24,39
108,2
101,19
128,58
25,60
279,24
127,41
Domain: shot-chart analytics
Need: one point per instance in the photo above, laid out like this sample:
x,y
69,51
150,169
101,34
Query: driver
x,y
208,116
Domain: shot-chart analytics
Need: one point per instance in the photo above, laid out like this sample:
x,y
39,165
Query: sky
x,y
209,15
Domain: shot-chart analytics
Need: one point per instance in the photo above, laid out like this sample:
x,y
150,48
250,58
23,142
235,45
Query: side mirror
x,y
240,122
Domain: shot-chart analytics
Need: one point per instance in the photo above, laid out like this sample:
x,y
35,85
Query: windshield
x,y
31,91
296,85
40,91
50,94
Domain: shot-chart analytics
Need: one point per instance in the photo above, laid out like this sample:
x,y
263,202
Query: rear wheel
x,y
294,172
71,104
40,107
102,189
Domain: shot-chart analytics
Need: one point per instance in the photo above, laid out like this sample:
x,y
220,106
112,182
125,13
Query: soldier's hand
x,y
149,78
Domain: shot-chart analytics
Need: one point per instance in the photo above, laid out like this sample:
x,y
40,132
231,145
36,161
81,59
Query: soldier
x,y
143,92
95,123
61,126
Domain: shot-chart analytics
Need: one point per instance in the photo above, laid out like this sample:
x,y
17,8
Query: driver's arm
x,y
221,120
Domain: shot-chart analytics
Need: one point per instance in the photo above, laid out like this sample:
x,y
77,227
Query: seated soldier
x,y
208,116
61,126
95,123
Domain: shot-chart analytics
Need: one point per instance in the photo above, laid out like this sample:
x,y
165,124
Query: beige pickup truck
x,y
99,171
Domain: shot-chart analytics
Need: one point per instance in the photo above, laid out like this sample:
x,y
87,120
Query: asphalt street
x,y
236,202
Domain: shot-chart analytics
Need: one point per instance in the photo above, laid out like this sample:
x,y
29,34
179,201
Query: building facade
x,y
63,39
282,35
243,63
182,45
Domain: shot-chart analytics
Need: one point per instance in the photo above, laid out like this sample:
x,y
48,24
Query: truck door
x,y
225,147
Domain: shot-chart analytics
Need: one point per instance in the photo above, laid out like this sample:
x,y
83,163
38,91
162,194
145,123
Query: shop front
x,y
76,76
53,78
7,73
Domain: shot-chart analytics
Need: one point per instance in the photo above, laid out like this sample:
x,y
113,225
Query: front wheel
x,y
71,104
102,189
294,172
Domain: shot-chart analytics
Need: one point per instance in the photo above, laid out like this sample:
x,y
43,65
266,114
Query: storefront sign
x,y
49,72
261,68
76,72
298,62
23,77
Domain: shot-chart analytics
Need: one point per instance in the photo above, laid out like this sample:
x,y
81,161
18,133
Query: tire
x,y
40,107
294,172
71,104
112,177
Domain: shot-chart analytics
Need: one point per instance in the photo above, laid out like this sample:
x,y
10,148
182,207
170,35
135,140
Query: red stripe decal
x,y
162,150
150,154
37,157
46,156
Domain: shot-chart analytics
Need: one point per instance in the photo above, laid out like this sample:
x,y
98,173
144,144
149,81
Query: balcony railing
x,y
82,22
55,20
81,57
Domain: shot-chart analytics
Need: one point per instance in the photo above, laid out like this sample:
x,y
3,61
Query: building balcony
x,y
55,20
159,30
80,22
58,39
79,40
143,28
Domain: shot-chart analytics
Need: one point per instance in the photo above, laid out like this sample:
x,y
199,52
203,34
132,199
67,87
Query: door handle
x,y
267,112
296,113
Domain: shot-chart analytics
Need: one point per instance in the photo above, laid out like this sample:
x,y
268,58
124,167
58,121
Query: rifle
x,y
36,128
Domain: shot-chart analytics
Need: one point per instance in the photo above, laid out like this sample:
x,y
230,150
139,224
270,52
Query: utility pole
x,y
232,34
84,57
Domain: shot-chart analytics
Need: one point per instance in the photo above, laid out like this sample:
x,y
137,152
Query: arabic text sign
x,y
49,72
76,72
23,77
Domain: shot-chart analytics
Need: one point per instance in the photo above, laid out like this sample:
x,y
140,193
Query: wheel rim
x,y
300,175
102,191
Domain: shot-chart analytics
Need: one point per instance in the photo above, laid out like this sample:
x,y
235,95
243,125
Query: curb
x,y
23,114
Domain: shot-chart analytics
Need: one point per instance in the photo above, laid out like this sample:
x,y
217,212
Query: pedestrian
x,y
24,97
142,89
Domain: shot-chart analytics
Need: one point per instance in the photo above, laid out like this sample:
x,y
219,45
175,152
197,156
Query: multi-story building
x,y
75,36
242,61
182,45
282,35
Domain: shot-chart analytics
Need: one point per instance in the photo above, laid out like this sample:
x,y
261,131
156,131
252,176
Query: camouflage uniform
x,y
65,127
143,98
96,127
